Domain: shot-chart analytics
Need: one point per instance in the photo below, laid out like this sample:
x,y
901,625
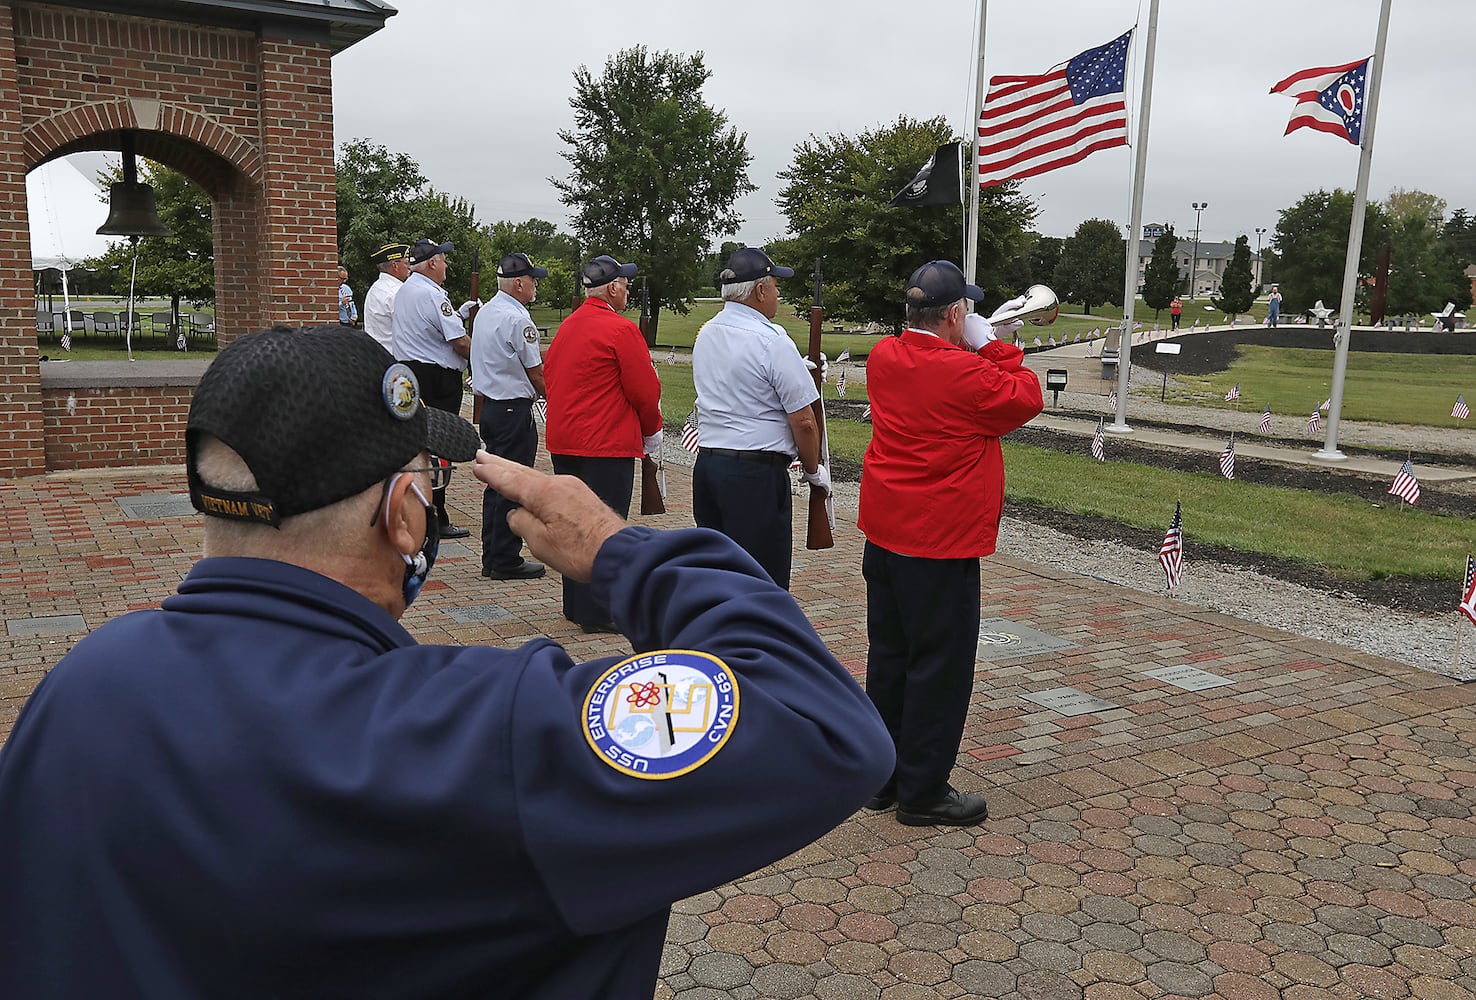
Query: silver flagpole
x,y
1344,327
971,230
1135,226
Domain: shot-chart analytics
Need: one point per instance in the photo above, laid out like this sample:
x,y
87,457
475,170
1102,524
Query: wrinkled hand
x,y
977,331
560,518
466,307
820,477
651,444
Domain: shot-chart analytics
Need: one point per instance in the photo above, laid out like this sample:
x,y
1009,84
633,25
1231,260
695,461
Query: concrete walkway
x,y
1183,804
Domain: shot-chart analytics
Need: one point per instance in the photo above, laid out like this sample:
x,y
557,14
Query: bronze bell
x,y
131,204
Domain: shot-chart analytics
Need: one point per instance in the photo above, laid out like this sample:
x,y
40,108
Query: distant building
x,y
1209,266
1153,230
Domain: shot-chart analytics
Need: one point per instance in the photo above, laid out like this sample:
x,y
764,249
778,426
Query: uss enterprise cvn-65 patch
x,y
661,714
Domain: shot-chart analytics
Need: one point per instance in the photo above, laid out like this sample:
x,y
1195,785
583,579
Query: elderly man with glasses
x,y
268,788
604,407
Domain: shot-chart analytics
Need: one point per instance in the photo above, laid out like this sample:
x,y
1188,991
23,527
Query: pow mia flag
x,y
939,182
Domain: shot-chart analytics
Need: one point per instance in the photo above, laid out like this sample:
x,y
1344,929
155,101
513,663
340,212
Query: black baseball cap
x,y
605,269
938,283
517,265
389,252
318,414
751,264
424,249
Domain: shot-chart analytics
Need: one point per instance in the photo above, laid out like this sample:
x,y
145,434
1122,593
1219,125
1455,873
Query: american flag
x,y
1227,460
1112,400
1265,425
540,407
1171,552
1460,409
1326,404
1329,99
843,356
179,342
1076,339
66,342
1233,394
1098,451
1314,422
1470,574
671,356
1468,603
1037,341
1406,486
866,413
840,385
1053,340
689,431
1032,124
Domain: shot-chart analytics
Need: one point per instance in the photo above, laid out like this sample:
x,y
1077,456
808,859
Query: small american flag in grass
x,y
1099,452
1227,460
1468,593
1460,410
840,385
1264,426
1171,552
1405,485
1233,394
1314,422
689,431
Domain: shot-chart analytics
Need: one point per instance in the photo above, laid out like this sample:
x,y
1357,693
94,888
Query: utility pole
x,y
1198,206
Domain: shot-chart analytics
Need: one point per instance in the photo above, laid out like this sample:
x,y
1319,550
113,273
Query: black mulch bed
x,y
1207,353
1399,593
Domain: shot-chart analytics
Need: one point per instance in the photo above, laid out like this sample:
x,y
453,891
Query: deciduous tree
x,y
654,169
1092,262
835,200
1311,244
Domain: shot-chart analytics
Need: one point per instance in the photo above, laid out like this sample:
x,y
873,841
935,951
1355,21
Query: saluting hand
x,y
560,518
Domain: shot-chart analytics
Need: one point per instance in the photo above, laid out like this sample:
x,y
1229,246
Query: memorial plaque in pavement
x,y
46,625
1069,701
454,549
151,508
1188,678
1002,639
479,613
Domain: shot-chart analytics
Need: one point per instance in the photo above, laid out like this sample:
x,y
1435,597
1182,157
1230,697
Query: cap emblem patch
x,y
662,714
401,391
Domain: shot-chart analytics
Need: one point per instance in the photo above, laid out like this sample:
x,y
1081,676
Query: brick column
x,y
239,280
299,231
22,446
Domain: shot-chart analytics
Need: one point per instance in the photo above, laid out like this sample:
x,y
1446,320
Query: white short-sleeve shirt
x,y
504,347
425,323
749,378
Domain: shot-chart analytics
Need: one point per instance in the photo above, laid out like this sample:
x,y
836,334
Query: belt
x,y
762,457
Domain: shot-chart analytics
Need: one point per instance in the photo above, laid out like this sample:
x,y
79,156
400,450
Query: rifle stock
x,y
471,320
820,531
653,497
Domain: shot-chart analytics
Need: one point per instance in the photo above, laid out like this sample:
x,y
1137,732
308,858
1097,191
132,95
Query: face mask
x,y
417,567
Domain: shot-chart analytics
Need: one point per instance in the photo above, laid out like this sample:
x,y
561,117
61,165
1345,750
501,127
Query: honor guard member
x,y
429,337
379,302
348,313
932,482
604,407
753,402
507,371
267,788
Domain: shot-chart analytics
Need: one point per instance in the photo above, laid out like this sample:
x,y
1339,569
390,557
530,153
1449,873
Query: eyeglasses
x,y
440,474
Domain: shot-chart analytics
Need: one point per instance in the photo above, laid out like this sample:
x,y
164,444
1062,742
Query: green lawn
x,y
1348,537
1389,388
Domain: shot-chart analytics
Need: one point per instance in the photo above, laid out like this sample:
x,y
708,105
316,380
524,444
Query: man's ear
x,y
401,522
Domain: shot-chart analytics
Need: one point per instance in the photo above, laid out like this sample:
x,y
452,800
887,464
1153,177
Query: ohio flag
x,y
1329,99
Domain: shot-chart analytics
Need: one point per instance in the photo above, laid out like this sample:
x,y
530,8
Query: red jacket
x,y
603,393
932,482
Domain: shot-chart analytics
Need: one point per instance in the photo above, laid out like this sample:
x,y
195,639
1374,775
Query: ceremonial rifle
x,y
821,531
653,475
471,321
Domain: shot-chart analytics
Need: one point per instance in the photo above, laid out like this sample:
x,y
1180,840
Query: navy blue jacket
x,y
268,789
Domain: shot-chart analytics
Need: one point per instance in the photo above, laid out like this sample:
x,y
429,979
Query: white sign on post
x,y
1164,348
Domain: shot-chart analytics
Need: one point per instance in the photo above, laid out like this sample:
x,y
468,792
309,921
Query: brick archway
x,y
239,101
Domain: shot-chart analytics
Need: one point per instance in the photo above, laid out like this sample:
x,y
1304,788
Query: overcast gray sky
x,y
477,91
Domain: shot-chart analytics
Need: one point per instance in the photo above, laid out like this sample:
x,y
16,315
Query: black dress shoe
x,y
452,531
954,809
525,570
590,628
881,801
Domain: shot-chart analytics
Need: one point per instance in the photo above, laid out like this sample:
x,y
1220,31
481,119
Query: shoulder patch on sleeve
x,y
661,714
530,334
446,309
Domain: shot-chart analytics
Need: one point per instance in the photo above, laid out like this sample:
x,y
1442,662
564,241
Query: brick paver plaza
x,y
1182,804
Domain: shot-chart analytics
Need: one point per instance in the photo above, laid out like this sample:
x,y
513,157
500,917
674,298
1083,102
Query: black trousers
x,y
748,500
441,388
613,481
922,623
507,431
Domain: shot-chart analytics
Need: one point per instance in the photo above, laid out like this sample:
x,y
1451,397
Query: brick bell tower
x,y
235,94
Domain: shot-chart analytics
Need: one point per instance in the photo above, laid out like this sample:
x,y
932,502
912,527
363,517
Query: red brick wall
x,y
250,118
115,427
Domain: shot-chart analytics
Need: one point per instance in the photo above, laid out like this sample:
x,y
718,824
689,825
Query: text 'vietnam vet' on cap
x,y
318,414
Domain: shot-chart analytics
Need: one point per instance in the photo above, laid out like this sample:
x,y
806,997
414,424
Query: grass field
x,y
1345,536
1390,388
